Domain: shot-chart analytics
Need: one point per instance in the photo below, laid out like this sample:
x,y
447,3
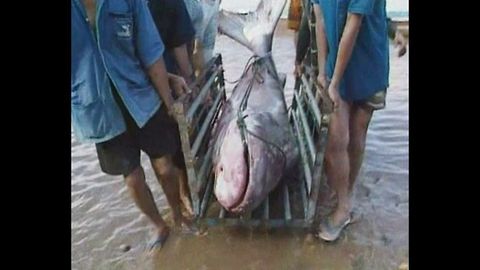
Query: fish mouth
x,y
236,207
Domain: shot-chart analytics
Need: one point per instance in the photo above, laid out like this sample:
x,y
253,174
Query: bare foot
x,y
185,225
161,238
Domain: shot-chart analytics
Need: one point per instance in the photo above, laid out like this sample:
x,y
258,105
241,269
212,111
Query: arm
x,y
164,82
347,42
160,80
150,49
183,62
356,10
184,33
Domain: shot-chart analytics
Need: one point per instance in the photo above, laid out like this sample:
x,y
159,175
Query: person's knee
x,y
136,179
359,127
164,166
358,135
338,135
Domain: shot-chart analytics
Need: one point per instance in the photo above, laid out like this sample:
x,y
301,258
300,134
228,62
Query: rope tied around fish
x,y
243,105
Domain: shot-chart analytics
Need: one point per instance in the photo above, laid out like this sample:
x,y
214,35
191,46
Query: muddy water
x,y
104,218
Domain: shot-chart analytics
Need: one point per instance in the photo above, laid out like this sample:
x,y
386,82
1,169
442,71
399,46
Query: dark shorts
x,y
375,102
158,138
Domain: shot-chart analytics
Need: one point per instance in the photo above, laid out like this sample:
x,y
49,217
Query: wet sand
x,y
104,217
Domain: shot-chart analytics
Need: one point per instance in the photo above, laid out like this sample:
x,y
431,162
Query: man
x,y
122,100
303,39
353,57
177,32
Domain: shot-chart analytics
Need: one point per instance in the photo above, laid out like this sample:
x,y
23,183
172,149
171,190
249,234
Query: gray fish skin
x,y
246,174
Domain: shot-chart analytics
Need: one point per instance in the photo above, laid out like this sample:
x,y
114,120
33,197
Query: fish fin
x,y
255,29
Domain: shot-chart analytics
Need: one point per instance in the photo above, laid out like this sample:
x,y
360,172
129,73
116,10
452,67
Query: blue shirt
x,y
123,46
368,69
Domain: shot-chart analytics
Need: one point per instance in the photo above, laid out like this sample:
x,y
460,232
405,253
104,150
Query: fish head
x,y
247,170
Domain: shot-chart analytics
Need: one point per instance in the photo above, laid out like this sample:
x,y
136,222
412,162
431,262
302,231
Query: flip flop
x,y
160,241
329,232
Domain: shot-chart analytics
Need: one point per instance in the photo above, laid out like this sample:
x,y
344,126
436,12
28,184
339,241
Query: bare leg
x,y
143,198
168,177
337,161
359,121
183,62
